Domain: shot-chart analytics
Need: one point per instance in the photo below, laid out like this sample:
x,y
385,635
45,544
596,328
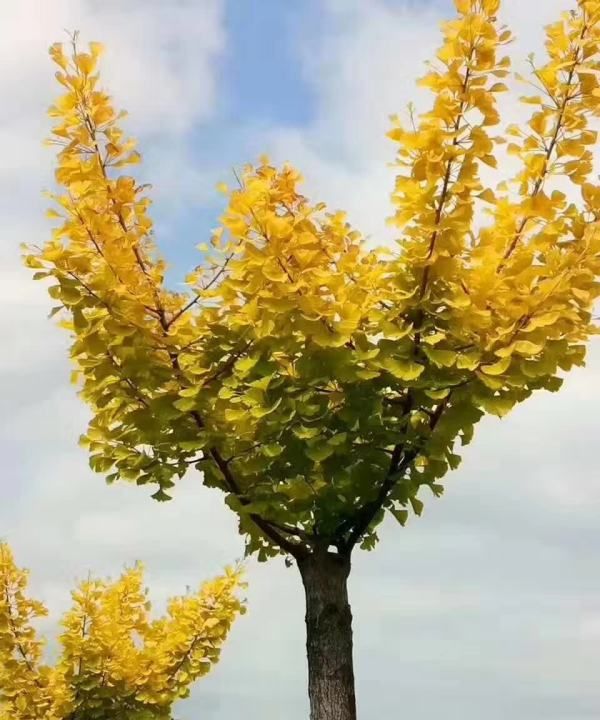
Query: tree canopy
x,y
317,382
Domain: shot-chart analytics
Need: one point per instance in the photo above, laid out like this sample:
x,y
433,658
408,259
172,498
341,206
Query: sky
x,y
488,605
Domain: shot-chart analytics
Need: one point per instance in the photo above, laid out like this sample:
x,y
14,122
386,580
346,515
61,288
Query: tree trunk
x,y
328,636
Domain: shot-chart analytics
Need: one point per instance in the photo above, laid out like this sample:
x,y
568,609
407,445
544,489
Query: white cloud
x,y
160,56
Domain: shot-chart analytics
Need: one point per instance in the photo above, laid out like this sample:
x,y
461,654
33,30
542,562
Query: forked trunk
x,y
328,636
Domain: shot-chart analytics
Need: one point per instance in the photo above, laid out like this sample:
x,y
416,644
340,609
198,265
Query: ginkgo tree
x,y
318,383
116,662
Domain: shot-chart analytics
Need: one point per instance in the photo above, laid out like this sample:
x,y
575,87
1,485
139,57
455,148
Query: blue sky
x,y
262,83
263,69
489,605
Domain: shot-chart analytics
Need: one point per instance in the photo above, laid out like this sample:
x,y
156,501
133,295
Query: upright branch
x,y
557,140
442,153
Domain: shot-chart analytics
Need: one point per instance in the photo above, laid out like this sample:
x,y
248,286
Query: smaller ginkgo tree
x,y
115,660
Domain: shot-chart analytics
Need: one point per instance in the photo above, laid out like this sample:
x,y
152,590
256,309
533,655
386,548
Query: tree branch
x,y
29,664
296,550
399,464
197,299
549,151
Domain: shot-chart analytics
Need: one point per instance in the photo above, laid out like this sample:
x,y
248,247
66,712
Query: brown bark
x,y
328,636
